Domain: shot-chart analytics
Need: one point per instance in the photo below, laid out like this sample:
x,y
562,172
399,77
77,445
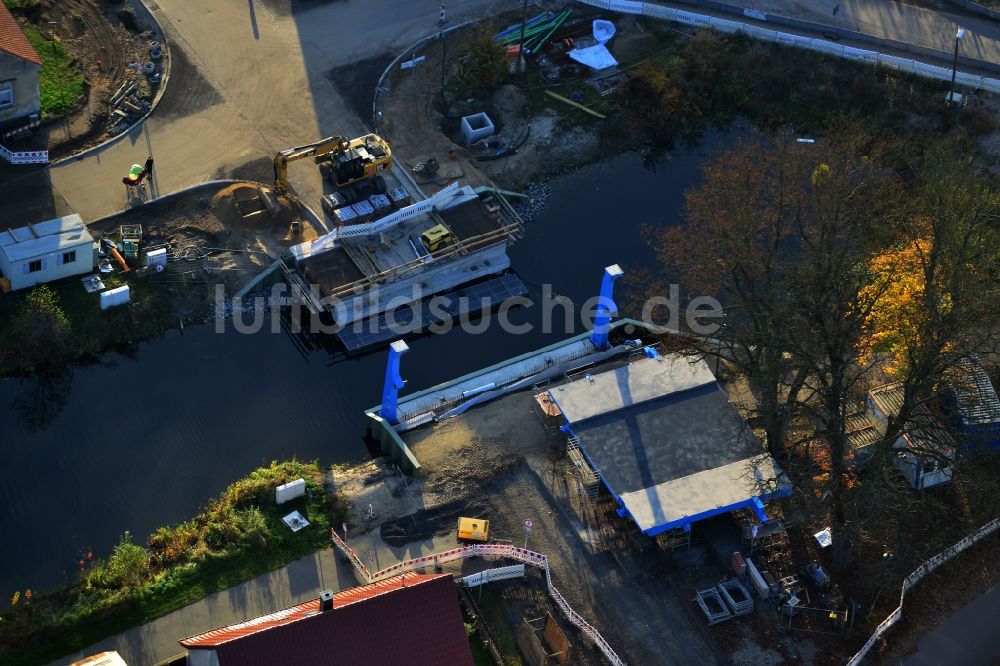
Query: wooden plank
x,y
559,97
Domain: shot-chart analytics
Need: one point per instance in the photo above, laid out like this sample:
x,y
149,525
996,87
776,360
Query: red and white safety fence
x,y
483,550
25,157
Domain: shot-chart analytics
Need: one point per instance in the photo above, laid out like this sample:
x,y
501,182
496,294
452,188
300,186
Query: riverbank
x,y
210,240
237,536
671,85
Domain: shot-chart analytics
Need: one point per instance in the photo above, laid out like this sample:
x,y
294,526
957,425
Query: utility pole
x,y
444,64
520,43
954,65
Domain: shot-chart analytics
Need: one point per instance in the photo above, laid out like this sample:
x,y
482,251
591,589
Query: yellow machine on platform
x,y
473,529
437,237
342,161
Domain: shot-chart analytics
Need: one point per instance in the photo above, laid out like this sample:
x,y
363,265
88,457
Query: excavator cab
x,y
362,158
342,161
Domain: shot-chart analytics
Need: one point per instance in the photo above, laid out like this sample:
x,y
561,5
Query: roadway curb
x,y
773,21
165,47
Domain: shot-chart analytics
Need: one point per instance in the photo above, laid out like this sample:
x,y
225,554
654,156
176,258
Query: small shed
x,y
46,251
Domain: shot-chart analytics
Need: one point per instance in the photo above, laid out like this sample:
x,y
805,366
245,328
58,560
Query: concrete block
x,y
290,491
476,128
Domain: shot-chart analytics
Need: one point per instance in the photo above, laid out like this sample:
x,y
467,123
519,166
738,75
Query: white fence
x,y
25,157
907,65
482,550
490,575
329,241
915,577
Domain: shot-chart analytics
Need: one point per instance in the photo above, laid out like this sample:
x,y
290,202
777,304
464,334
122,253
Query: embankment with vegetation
x,y
237,536
44,328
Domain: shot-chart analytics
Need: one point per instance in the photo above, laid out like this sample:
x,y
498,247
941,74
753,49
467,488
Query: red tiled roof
x,y
12,39
413,618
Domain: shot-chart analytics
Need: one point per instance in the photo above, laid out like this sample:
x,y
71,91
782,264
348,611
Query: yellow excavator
x,y
341,161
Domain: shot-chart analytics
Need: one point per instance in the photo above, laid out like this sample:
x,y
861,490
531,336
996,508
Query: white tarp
x,y
603,31
596,57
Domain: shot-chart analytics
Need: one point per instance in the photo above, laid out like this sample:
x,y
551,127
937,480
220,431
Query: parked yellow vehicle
x,y
473,529
437,237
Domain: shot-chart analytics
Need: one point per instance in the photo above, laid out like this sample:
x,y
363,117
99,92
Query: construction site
x,y
607,499
670,532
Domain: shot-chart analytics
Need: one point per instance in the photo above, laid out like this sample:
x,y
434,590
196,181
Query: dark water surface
x,y
138,442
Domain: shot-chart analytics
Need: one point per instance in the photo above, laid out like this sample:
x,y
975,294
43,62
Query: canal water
x,y
144,440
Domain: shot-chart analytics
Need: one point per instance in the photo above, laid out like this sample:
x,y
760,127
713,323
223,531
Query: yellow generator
x,y
437,237
473,529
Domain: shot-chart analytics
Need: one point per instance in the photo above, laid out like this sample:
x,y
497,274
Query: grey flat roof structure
x,y
630,385
666,441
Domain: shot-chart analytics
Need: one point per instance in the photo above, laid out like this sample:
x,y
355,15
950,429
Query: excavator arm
x,y
331,144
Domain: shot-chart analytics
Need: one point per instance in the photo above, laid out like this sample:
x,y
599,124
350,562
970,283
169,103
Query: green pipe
x,y
537,44
534,30
544,36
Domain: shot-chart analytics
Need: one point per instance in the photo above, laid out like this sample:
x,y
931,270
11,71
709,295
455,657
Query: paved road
x,y
895,20
252,77
248,77
969,637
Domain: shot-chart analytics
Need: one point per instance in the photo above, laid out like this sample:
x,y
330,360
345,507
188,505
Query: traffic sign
x,y
528,525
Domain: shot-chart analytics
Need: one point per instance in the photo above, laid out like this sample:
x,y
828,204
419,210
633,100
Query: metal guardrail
x,y
481,550
693,19
915,577
25,157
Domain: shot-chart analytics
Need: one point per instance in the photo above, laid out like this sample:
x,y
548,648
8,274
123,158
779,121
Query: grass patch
x,y
238,536
480,655
492,613
61,83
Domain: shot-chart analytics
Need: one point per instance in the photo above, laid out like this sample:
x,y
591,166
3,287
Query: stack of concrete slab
x,y
381,204
365,212
344,216
399,197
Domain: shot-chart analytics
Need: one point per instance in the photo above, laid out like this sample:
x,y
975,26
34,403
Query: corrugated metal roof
x,y
43,238
12,39
924,431
976,397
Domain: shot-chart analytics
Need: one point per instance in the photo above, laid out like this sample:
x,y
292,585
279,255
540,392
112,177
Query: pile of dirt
x,y
104,37
207,227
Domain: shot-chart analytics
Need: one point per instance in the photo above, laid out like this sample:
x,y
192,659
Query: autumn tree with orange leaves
x,y
832,265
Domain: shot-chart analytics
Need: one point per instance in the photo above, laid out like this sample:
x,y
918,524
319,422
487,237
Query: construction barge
x,y
362,275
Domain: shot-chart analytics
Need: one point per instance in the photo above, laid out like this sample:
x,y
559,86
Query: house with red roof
x,y
20,68
412,619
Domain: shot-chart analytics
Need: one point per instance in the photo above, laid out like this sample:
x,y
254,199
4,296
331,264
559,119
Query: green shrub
x,y
42,330
486,60
129,563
